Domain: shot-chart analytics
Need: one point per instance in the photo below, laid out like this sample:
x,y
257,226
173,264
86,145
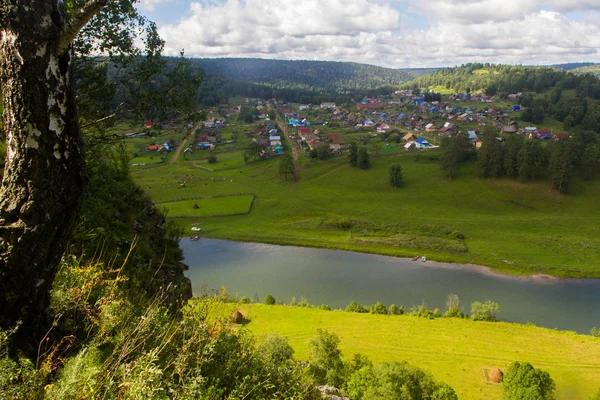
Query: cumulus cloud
x,y
151,4
370,31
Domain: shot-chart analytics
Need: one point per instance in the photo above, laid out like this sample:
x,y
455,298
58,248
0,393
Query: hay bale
x,y
237,317
496,376
195,207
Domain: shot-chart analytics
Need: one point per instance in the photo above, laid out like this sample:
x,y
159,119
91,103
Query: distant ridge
x,y
573,66
314,76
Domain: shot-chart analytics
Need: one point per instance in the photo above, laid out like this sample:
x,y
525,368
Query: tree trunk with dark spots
x,y
44,180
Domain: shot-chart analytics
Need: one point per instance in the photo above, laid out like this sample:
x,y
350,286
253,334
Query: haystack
x,y
496,376
237,317
195,207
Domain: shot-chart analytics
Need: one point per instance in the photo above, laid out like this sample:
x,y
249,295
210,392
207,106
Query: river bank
x,y
504,269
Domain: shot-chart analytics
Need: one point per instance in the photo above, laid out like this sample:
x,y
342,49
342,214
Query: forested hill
x,y
589,69
505,79
314,76
573,66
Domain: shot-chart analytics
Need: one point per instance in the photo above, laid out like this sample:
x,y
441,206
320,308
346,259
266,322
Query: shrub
x,y
522,381
269,300
324,307
326,365
453,307
484,311
212,158
356,307
396,381
595,332
378,308
395,310
275,350
245,300
422,311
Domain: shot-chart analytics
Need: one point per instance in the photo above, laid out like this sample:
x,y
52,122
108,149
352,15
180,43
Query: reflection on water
x,y
337,277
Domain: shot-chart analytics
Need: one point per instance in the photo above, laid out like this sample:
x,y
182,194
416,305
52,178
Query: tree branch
x,y
78,21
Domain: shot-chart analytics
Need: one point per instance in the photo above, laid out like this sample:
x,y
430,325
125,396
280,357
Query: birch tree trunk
x,y
44,180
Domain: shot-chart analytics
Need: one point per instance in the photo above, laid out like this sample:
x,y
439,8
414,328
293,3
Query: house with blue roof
x,y
421,143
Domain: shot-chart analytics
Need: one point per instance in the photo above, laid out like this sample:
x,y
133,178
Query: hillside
x,y
573,66
454,350
590,69
338,77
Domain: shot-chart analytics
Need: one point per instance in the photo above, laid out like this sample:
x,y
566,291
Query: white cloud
x,y
369,31
150,4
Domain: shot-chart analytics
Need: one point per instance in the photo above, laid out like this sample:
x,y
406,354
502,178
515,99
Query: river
x,y
337,277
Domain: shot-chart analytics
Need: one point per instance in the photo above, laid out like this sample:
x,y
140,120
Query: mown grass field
x,y
455,351
209,207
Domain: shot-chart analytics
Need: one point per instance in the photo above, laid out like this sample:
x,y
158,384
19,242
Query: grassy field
x,y
456,351
515,228
209,207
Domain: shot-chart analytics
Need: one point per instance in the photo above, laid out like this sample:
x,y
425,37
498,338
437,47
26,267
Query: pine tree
x,y
353,156
511,154
286,165
590,162
491,157
364,160
561,167
451,156
395,175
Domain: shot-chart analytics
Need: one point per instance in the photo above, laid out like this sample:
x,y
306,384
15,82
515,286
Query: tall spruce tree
x,y
353,155
364,160
395,171
451,156
511,155
561,167
532,160
491,157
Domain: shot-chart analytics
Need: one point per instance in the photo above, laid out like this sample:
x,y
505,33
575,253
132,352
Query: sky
x,y
395,34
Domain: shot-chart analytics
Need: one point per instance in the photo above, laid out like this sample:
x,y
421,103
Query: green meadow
x,y
456,351
208,207
516,228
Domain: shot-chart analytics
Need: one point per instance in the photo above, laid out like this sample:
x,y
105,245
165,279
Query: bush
x,y
275,350
245,300
356,307
522,381
326,363
378,308
212,158
324,307
484,311
595,332
422,311
395,381
395,310
453,307
269,300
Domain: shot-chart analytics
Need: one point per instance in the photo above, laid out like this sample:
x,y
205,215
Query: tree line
x,y
517,157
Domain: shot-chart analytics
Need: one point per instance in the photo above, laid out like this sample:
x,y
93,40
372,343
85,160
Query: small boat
x,y
415,258
423,259
195,238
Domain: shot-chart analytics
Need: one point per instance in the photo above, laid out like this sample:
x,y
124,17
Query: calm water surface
x,y
337,277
